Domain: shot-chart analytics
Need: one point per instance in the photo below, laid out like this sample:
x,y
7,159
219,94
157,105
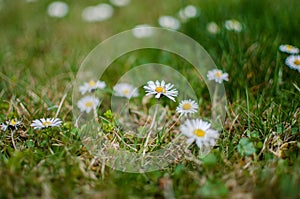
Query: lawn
x,y
41,58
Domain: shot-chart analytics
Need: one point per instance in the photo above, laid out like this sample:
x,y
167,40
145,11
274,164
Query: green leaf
x,y
245,147
108,114
210,160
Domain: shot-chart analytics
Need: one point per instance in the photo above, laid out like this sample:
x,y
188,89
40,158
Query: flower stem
x,y
215,102
150,130
12,139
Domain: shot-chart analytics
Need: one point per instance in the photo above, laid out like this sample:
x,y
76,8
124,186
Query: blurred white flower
x,y
120,3
169,22
142,31
45,123
233,25
10,124
88,103
125,90
293,61
188,12
217,75
91,86
100,12
186,107
161,88
58,9
199,131
213,28
289,49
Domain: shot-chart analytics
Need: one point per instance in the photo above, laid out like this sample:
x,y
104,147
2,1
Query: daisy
x,y
213,28
142,31
186,107
10,124
187,12
120,3
125,90
58,9
217,75
88,103
45,123
199,131
288,49
169,22
233,25
293,61
91,86
100,12
161,88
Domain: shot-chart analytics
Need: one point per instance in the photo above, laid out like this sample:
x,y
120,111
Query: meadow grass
x,y
257,154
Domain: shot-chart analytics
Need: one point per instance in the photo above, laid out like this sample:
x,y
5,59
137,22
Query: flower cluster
x,y
293,60
12,124
230,25
96,13
90,102
39,124
233,25
194,129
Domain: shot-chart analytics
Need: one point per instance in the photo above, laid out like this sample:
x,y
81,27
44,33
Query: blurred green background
x,y
40,55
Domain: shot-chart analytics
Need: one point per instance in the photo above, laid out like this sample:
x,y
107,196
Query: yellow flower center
x,y
199,132
89,104
186,106
289,47
47,123
297,62
160,89
13,122
218,74
92,83
126,92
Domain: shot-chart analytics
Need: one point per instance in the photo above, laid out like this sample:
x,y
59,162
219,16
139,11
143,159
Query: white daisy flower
x,y
199,131
88,103
186,107
96,13
120,3
45,123
293,61
217,75
161,88
188,12
125,90
169,22
91,86
233,25
286,48
213,28
142,31
10,124
58,9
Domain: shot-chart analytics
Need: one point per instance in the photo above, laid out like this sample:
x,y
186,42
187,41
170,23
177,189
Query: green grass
x,y
257,155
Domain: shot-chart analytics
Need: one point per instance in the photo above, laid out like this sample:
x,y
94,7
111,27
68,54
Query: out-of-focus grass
x,y
39,57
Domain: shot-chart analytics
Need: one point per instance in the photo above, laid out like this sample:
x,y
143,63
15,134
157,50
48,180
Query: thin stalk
x,y
12,139
150,130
